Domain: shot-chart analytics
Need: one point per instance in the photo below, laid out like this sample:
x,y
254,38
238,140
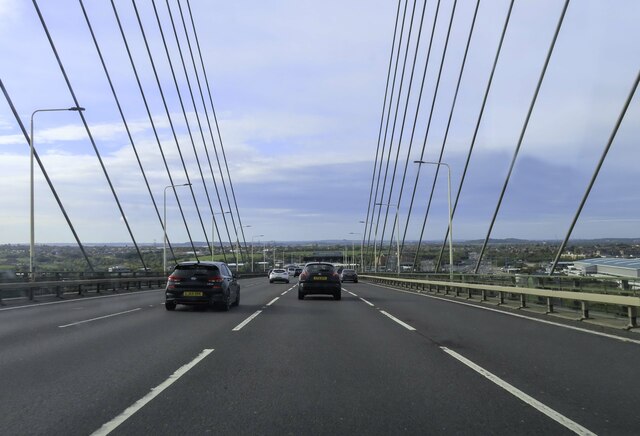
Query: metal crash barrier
x,y
82,287
58,288
484,292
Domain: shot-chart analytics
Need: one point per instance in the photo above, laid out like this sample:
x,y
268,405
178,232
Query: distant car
x,y
278,275
292,271
349,275
319,278
202,283
298,272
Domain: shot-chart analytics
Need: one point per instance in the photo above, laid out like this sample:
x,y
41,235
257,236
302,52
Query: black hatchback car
x,y
202,283
319,278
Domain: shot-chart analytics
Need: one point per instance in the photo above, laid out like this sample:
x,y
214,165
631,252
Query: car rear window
x,y
192,270
320,268
348,271
278,271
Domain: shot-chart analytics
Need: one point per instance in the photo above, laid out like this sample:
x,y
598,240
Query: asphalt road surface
x,y
379,361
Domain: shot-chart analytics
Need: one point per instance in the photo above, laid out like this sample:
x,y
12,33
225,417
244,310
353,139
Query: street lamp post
x,y
213,230
362,253
353,254
397,239
361,247
252,238
164,226
238,244
419,162
32,237
264,257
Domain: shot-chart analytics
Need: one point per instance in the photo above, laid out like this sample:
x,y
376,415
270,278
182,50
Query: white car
x,y
278,275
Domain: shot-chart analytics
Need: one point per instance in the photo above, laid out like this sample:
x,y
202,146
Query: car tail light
x,y
172,280
336,275
214,280
303,276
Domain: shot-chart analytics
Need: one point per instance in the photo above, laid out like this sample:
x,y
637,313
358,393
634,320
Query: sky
x,y
298,88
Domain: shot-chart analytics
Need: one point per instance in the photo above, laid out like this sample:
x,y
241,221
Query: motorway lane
x,y
588,378
315,366
321,366
71,380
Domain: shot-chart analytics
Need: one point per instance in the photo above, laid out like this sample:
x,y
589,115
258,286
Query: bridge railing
x,y
601,285
102,283
58,288
628,304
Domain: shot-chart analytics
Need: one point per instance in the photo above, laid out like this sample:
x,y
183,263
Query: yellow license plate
x,y
319,278
192,294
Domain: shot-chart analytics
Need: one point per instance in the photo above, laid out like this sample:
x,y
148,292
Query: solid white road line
x,y
273,301
517,315
100,317
350,293
559,418
246,321
115,422
75,300
403,324
370,304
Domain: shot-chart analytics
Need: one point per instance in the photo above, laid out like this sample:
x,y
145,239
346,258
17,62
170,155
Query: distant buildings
x,y
605,266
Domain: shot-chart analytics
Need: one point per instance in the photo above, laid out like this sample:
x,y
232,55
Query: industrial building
x,y
615,267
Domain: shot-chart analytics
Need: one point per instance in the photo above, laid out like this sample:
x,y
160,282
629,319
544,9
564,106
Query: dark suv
x,y
202,283
319,278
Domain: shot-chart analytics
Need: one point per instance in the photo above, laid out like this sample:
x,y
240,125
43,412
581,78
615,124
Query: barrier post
x,y
632,313
585,310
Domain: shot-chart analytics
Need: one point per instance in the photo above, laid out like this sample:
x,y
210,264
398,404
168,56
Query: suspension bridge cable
x,y
204,105
124,121
186,119
446,134
436,90
153,125
404,118
215,118
479,120
170,119
623,112
393,128
384,105
453,105
88,130
386,129
46,175
204,143
415,118
426,135
524,130
418,106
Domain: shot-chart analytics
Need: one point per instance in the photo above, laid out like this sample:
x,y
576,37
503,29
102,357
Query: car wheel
x,y
337,296
237,302
170,305
287,281
226,303
270,281
355,281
